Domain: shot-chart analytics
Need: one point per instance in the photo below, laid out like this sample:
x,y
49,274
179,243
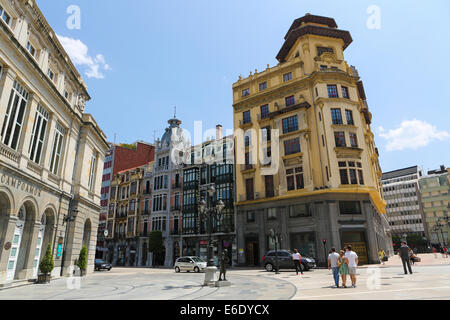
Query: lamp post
x,y
210,213
67,220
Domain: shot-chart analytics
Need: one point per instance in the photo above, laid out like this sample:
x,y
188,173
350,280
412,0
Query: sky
x,y
141,58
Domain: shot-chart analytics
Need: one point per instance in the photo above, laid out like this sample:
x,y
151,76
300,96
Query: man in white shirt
x,y
333,265
352,264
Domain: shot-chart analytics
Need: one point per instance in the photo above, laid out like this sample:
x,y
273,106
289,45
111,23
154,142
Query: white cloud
x,y
78,52
412,134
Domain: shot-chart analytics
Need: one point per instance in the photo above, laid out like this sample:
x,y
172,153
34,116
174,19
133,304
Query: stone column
x,y
4,254
240,237
261,221
322,223
284,229
333,214
372,249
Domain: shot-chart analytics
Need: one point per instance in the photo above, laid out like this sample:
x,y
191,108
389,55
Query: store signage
x,y
59,250
19,184
204,243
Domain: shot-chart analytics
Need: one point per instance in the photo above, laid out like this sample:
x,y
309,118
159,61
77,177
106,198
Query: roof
x,y
294,34
400,173
330,22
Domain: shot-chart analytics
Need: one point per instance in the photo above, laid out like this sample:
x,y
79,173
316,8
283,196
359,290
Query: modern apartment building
x,y
119,158
404,208
212,164
435,192
318,176
51,151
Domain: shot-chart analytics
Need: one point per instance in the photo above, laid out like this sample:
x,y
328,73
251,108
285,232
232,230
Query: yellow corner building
x,y
318,176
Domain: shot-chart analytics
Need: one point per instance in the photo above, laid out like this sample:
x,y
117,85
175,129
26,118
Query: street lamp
x,y
210,213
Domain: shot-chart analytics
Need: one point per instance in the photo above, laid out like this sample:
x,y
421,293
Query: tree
x,y
155,244
47,264
82,260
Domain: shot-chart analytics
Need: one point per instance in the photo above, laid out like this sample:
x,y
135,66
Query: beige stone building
x,y
51,152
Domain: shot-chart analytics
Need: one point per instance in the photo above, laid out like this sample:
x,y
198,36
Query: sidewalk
x,y
428,259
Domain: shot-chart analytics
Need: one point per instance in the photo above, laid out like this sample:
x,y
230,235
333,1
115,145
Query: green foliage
x,y
82,260
155,244
412,240
47,264
128,146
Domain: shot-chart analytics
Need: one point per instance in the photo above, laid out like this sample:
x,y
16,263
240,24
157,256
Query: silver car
x,y
188,264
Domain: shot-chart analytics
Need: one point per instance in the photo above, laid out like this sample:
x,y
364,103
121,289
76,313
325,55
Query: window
x,y
349,115
351,173
92,171
350,207
12,125
287,77
266,133
160,202
336,116
321,50
245,92
290,124
339,137
247,140
353,140
300,210
247,117
294,177
251,216
290,101
262,86
38,134
51,75
292,146
4,15
264,111
332,91
57,149
272,214
249,189
31,49
322,67
269,186
345,93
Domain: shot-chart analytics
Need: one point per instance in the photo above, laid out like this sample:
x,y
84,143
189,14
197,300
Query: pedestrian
x,y
435,252
353,261
381,254
403,252
446,252
333,265
343,268
442,252
297,258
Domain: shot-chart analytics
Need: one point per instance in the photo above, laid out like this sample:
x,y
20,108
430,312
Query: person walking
x,y
353,261
381,254
442,252
333,265
297,258
446,252
435,252
403,252
343,267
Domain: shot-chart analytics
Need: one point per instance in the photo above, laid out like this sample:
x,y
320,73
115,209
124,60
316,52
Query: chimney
x,y
219,132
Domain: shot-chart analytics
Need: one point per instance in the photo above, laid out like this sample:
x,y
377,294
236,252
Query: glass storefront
x,y
305,243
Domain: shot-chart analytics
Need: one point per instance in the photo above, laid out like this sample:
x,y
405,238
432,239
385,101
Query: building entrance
x,y
358,242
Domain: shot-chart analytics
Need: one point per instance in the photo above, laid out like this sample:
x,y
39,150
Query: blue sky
x,y
145,57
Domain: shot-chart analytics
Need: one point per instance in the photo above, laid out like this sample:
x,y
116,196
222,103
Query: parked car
x,y
188,264
102,265
285,261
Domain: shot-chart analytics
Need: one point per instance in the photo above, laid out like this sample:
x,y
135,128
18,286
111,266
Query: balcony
x,y
175,208
245,124
9,153
176,185
175,232
247,167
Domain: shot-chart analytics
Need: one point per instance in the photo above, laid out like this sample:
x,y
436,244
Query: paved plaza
x,y
431,280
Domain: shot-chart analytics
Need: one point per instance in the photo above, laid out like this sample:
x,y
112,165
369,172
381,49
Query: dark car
x,y
102,265
285,261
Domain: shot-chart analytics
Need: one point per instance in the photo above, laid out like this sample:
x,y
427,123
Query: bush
x,y
47,264
82,260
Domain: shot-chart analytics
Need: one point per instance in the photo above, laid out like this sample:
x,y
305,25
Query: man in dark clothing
x,y
403,252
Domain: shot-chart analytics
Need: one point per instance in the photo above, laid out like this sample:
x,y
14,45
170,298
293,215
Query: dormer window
x,y
287,77
245,92
5,16
31,49
321,50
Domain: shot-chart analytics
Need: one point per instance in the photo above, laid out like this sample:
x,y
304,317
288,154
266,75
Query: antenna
x,y
115,136
175,112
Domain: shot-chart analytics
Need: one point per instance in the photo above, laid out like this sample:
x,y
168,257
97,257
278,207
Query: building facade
x,y
125,215
404,207
118,158
215,166
435,194
306,161
51,151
